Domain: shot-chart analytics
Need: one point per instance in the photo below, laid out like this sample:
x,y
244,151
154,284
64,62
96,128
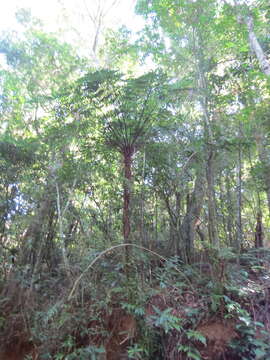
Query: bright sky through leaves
x,y
50,12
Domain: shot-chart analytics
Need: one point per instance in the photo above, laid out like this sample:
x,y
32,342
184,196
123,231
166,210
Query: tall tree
x,y
128,108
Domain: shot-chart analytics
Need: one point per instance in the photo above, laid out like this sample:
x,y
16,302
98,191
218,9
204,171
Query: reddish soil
x,y
19,353
218,335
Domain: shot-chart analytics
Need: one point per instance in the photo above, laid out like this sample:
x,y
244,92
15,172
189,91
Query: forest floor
x,y
210,313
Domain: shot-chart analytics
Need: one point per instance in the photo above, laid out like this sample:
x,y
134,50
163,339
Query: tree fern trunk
x,y
127,153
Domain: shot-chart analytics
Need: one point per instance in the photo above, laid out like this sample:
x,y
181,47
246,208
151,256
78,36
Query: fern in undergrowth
x,y
50,313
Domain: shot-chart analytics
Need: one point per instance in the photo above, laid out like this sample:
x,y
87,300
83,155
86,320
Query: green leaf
x,y
259,353
196,335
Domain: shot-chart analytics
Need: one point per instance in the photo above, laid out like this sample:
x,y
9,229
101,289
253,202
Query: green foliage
x,y
247,346
89,352
137,352
190,352
202,101
133,309
165,320
119,52
195,335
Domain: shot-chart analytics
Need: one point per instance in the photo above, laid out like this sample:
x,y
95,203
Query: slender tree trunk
x,y
61,235
141,222
127,195
212,232
51,255
223,214
156,220
142,230
239,241
264,156
230,209
177,220
173,208
210,155
127,153
259,231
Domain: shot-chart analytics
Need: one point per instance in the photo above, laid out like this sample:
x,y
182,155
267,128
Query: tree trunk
x,y
212,232
256,47
254,44
208,138
264,156
194,206
127,154
142,230
239,241
61,234
230,209
127,194
259,231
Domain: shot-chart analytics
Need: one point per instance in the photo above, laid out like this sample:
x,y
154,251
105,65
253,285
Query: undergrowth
x,y
165,310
